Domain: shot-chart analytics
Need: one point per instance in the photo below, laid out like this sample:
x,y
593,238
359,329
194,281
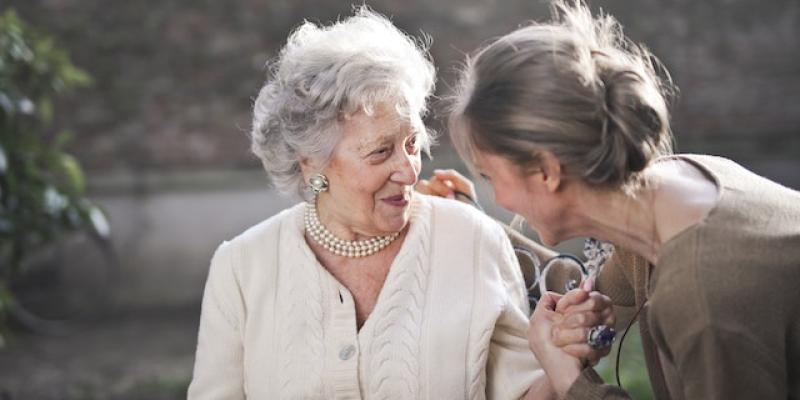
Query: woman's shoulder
x,y
459,214
258,237
462,227
237,259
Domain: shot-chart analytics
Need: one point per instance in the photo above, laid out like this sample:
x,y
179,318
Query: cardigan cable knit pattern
x,y
395,344
450,321
302,318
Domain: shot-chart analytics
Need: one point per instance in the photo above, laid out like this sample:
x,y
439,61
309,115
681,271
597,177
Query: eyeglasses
x,y
559,274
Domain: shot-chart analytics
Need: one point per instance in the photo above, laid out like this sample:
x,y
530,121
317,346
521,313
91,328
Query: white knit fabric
x,y
449,323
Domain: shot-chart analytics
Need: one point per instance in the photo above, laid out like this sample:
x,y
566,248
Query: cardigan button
x,y
347,352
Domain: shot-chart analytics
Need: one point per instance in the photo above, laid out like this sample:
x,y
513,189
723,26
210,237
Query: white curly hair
x,y
325,73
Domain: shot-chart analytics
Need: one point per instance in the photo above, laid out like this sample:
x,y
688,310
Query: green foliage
x,y
633,370
42,189
158,388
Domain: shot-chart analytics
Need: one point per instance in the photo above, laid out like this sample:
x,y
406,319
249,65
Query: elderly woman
x,y
568,122
367,290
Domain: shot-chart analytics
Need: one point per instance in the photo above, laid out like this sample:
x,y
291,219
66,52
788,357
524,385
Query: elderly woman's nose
x,y
406,170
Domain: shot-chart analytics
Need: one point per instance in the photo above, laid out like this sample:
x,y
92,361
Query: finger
x,y
585,319
423,186
575,319
552,314
588,284
460,182
435,187
548,301
609,318
571,299
440,188
606,316
596,302
566,336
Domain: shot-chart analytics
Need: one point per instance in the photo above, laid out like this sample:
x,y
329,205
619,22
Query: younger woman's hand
x,y
445,182
580,311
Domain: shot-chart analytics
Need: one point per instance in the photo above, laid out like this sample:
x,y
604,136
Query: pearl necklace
x,y
341,247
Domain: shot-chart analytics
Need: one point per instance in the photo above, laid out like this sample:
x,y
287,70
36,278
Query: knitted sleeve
x,y
511,366
218,367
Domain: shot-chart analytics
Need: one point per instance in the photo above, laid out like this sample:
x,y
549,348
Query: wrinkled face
x,y
372,173
524,194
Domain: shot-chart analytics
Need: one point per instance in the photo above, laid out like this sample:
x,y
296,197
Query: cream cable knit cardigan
x,y
449,323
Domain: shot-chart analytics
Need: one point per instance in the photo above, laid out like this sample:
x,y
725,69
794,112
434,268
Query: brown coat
x,y
722,319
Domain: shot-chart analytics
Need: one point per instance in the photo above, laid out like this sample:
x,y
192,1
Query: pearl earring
x,y
318,183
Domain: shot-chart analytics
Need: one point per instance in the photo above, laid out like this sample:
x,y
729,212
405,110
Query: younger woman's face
x,y
524,193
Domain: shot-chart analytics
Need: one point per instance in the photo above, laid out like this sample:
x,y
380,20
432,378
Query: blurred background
x,y
136,116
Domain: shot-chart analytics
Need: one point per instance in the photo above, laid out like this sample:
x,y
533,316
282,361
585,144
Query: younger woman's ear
x,y
551,171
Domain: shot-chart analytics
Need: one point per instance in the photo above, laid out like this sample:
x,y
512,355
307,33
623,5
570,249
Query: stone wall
x,y
174,79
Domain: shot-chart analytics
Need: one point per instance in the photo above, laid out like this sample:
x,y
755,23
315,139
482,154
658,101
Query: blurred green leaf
x,y
61,140
633,368
73,173
75,76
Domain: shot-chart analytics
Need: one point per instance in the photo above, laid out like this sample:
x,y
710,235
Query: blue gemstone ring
x,y
600,337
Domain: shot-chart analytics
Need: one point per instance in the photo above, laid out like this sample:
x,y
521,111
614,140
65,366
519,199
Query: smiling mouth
x,y
399,200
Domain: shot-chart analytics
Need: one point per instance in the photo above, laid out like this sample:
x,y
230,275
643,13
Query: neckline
x,y
408,247
721,193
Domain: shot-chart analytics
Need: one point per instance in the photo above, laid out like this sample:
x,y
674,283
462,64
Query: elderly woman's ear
x,y
308,168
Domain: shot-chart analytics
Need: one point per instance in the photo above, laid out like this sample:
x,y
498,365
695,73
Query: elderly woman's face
x,y
372,173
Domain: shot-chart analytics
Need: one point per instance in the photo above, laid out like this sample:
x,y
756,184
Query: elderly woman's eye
x,y
486,177
412,144
380,153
